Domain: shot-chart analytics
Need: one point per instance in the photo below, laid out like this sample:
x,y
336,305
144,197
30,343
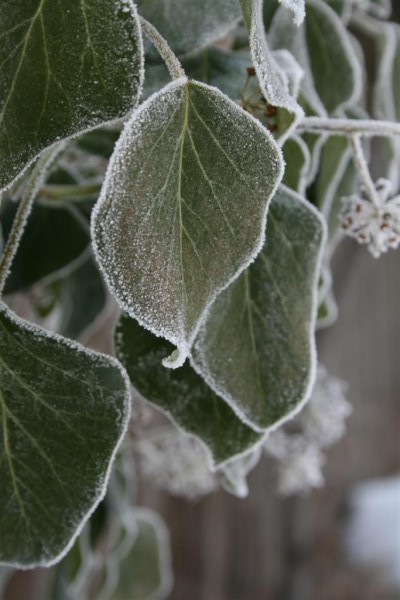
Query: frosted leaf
x,y
256,348
386,92
65,68
189,24
322,46
63,413
376,226
323,418
181,393
183,207
273,83
297,7
233,475
298,163
176,463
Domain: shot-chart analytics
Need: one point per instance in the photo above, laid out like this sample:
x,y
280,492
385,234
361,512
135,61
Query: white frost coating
x,y
127,5
297,7
221,391
176,462
322,424
172,329
42,334
291,68
272,84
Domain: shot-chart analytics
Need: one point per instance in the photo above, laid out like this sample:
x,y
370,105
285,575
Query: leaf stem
x,y
349,127
56,192
174,66
24,209
362,168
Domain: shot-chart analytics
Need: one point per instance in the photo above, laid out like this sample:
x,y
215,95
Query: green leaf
x,y
189,25
180,393
273,82
182,210
146,570
386,93
298,163
63,412
65,68
322,45
256,348
54,239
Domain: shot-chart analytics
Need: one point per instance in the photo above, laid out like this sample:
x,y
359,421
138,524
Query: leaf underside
x,y
181,393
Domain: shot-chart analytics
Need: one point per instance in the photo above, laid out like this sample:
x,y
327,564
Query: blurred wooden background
x,y
269,548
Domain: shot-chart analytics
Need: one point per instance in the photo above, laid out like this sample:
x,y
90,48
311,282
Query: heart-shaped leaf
x,y
183,207
256,348
65,67
63,411
181,393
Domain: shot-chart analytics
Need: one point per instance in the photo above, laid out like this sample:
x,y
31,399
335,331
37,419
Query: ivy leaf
x,y
386,104
256,348
65,68
273,83
182,210
298,164
54,239
189,25
181,393
63,412
146,572
322,45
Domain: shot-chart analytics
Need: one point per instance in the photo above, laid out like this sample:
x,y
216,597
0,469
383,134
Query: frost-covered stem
x,y
349,127
362,168
58,192
24,209
172,62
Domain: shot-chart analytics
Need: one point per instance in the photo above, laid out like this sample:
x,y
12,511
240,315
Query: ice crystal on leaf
x,y
376,226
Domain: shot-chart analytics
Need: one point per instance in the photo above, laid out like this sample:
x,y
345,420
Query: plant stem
x,y
36,179
349,127
174,66
362,168
56,192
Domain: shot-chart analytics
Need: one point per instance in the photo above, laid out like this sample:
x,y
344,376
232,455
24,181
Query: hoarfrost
x,y
183,207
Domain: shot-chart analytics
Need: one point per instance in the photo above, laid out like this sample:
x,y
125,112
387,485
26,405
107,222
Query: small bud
x,y
251,71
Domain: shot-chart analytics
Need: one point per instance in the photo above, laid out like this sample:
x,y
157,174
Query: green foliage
x,y
81,65
213,200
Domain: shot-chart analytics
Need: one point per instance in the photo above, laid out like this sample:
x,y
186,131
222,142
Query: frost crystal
x,y
323,419
320,424
300,467
176,462
377,226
